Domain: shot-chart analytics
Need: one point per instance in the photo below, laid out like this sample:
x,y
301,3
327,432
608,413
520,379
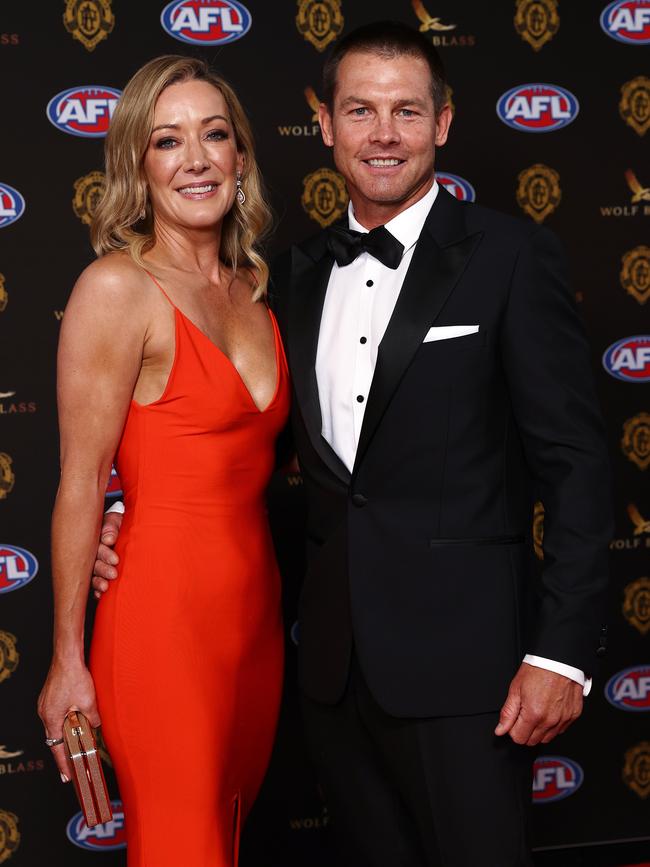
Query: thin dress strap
x,y
161,288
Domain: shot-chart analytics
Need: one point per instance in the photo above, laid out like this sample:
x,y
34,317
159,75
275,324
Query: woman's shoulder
x,y
112,279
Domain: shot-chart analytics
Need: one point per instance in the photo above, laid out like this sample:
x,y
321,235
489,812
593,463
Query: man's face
x,y
384,131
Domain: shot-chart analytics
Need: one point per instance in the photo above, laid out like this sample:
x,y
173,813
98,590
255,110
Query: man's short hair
x,y
387,39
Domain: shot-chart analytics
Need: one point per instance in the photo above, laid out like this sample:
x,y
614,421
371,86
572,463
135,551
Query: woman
x,y
166,361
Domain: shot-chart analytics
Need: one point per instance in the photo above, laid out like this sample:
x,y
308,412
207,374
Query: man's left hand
x,y
540,705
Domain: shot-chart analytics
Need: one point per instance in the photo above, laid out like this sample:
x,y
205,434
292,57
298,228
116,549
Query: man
x,y
442,385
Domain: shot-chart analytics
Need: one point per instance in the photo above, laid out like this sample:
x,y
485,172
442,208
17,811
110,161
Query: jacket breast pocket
x,y
454,344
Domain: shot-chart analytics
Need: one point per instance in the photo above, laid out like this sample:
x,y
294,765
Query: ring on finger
x,y
53,742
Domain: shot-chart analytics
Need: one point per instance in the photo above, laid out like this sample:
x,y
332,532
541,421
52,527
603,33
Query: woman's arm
x,y
99,361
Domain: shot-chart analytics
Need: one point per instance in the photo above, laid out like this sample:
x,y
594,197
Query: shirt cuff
x,y
118,506
561,668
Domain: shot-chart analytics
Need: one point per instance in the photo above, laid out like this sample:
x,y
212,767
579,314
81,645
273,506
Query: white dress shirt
x,y
358,305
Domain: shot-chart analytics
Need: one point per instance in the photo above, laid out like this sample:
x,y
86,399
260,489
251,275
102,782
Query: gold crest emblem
x,y
87,193
4,295
426,21
89,21
9,656
636,604
538,529
635,103
319,21
636,770
639,192
635,273
324,196
636,440
641,525
7,477
537,21
9,835
538,191
313,102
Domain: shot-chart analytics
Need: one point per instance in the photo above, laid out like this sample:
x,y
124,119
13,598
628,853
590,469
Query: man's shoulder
x,y
497,223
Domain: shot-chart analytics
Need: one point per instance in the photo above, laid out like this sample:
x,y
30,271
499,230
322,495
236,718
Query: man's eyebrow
x,y
401,103
203,122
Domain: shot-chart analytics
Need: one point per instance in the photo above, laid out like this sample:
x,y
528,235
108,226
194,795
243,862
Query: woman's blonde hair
x,y
123,219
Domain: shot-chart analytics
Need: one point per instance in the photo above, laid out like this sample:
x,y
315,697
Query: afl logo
x,y
83,111
555,778
630,689
17,568
457,186
627,21
537,107
101,838
629,359
114,487
206,22
12,205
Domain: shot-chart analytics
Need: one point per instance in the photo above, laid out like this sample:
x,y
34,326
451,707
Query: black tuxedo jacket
x,y
422,556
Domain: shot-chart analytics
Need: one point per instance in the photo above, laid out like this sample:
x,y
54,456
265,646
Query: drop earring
x,y
241,196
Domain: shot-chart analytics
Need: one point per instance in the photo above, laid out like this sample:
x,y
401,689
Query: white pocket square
x,y
444,332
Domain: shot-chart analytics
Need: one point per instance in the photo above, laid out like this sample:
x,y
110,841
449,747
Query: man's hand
x,y
540,705
105,571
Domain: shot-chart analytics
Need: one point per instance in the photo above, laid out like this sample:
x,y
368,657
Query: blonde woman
x,y
170,359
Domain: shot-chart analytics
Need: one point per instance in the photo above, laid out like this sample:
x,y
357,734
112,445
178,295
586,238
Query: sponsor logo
x,y
111,835
629,359
634,106
627,21
636,602
538,530
17,568
305,129
310,823
641,535
457,186
4,295
83,111
630,689
9,835
635,273
12,205
88,190
537,107
442,35
537,21
9,39
9,767
114,487
555,778
635,443
7,477
10,407
639,200
206,22
538,191
636,769
324,196
319,21
9,656
89,21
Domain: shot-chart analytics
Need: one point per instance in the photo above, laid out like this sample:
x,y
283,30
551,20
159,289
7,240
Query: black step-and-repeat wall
x,y
552,108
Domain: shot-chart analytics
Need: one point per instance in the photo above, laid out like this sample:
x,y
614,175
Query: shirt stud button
x,y
370,282
363,340
360,398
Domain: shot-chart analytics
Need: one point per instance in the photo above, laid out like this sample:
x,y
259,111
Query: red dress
x,y
187,649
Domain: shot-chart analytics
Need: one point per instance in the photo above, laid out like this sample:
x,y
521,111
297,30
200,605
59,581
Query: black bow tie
x,y
346,244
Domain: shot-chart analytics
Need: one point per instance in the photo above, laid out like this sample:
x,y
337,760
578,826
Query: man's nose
x,y
385,129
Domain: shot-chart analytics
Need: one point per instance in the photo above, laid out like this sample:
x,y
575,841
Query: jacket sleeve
x,y
548,368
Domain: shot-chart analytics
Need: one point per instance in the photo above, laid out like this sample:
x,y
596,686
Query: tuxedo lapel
x,y
441,254
311,270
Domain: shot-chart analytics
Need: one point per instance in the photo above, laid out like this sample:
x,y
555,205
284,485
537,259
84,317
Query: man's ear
x,y
325,121
443,122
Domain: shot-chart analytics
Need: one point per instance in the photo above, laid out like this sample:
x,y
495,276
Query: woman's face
x,y
191,161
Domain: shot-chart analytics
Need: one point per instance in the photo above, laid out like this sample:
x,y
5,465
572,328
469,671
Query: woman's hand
x,y
68,687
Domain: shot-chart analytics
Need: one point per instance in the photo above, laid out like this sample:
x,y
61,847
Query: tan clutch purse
x,y
86,763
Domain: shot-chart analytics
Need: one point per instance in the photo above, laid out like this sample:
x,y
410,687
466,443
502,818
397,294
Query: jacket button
x,y
601,651
359,500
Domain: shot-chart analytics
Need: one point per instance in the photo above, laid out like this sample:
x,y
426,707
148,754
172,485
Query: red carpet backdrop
x,y
552,109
